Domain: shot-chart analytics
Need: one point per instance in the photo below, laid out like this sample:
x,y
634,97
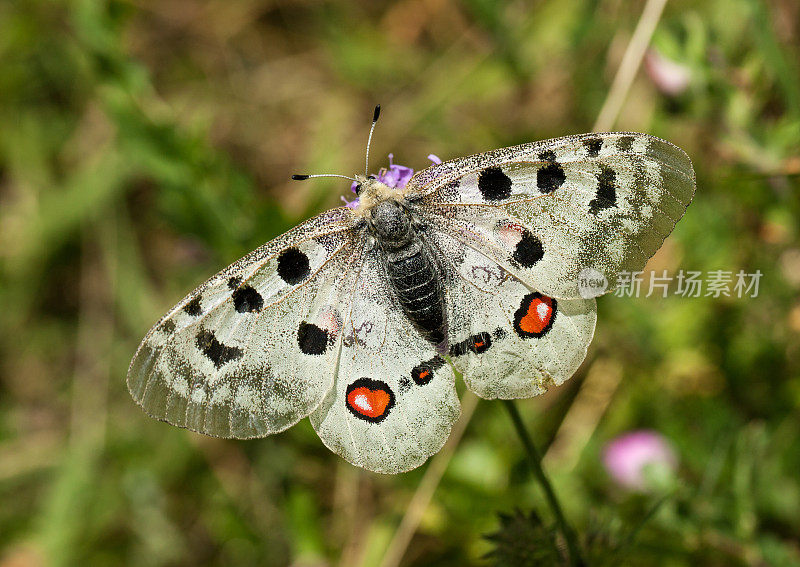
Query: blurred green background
x,y
146,144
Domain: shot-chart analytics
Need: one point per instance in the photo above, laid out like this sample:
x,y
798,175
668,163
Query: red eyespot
x,y
535,315
369,399
422,375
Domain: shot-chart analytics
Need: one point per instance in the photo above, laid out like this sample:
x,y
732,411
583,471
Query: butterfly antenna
x,y
297,177
375,116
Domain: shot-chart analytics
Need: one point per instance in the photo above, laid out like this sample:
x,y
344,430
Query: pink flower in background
x,y
670,77
395,176
635,459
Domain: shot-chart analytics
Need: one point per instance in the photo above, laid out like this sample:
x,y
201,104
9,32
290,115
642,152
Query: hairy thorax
x,y
371,192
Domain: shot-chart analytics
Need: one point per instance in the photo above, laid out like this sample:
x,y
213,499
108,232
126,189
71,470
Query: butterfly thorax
x,y
391,225
409,261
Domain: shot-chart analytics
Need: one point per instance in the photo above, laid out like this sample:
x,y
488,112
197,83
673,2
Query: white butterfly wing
x,y
394,400
252,350
308,325
516,229
547,211
507,339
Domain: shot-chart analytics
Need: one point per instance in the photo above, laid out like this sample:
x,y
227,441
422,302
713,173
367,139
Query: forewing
x,y
253,350
556,211
506,338
393,401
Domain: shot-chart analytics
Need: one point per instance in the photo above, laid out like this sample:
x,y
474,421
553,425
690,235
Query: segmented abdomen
x,y
413,273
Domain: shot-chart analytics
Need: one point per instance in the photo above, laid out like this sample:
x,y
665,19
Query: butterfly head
x,y
371,192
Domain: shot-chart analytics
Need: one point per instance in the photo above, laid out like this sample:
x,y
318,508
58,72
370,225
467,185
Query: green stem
x,y
535,461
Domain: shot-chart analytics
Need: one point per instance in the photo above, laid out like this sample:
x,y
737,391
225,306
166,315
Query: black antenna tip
x,y
376,113
299,177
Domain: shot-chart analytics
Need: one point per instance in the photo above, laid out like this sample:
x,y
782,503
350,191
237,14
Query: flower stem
x,y
535,462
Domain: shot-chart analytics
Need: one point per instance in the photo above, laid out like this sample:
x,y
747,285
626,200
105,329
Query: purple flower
x,y
350,204
395,176
637,459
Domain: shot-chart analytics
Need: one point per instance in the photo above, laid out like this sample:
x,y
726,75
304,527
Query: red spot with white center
x,y
371,403
535,315
369,399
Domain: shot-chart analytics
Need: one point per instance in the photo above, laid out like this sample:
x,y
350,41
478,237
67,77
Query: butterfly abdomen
x,y
415,279
411,269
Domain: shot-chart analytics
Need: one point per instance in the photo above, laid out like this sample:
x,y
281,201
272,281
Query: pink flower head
x,y
670,77
635,459
395,176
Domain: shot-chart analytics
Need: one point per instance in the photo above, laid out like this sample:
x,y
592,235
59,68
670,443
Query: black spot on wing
x,y
234,282
460,349
551,176
293,266
193,307
493,184
247,300
529,250
606,196
168,326
593,146
476,343
312,339
423,372
625,143
216,352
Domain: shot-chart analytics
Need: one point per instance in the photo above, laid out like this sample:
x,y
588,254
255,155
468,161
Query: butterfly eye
x,y
358,189
371,177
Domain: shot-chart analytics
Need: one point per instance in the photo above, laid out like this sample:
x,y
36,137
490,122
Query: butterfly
x,y
358,317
